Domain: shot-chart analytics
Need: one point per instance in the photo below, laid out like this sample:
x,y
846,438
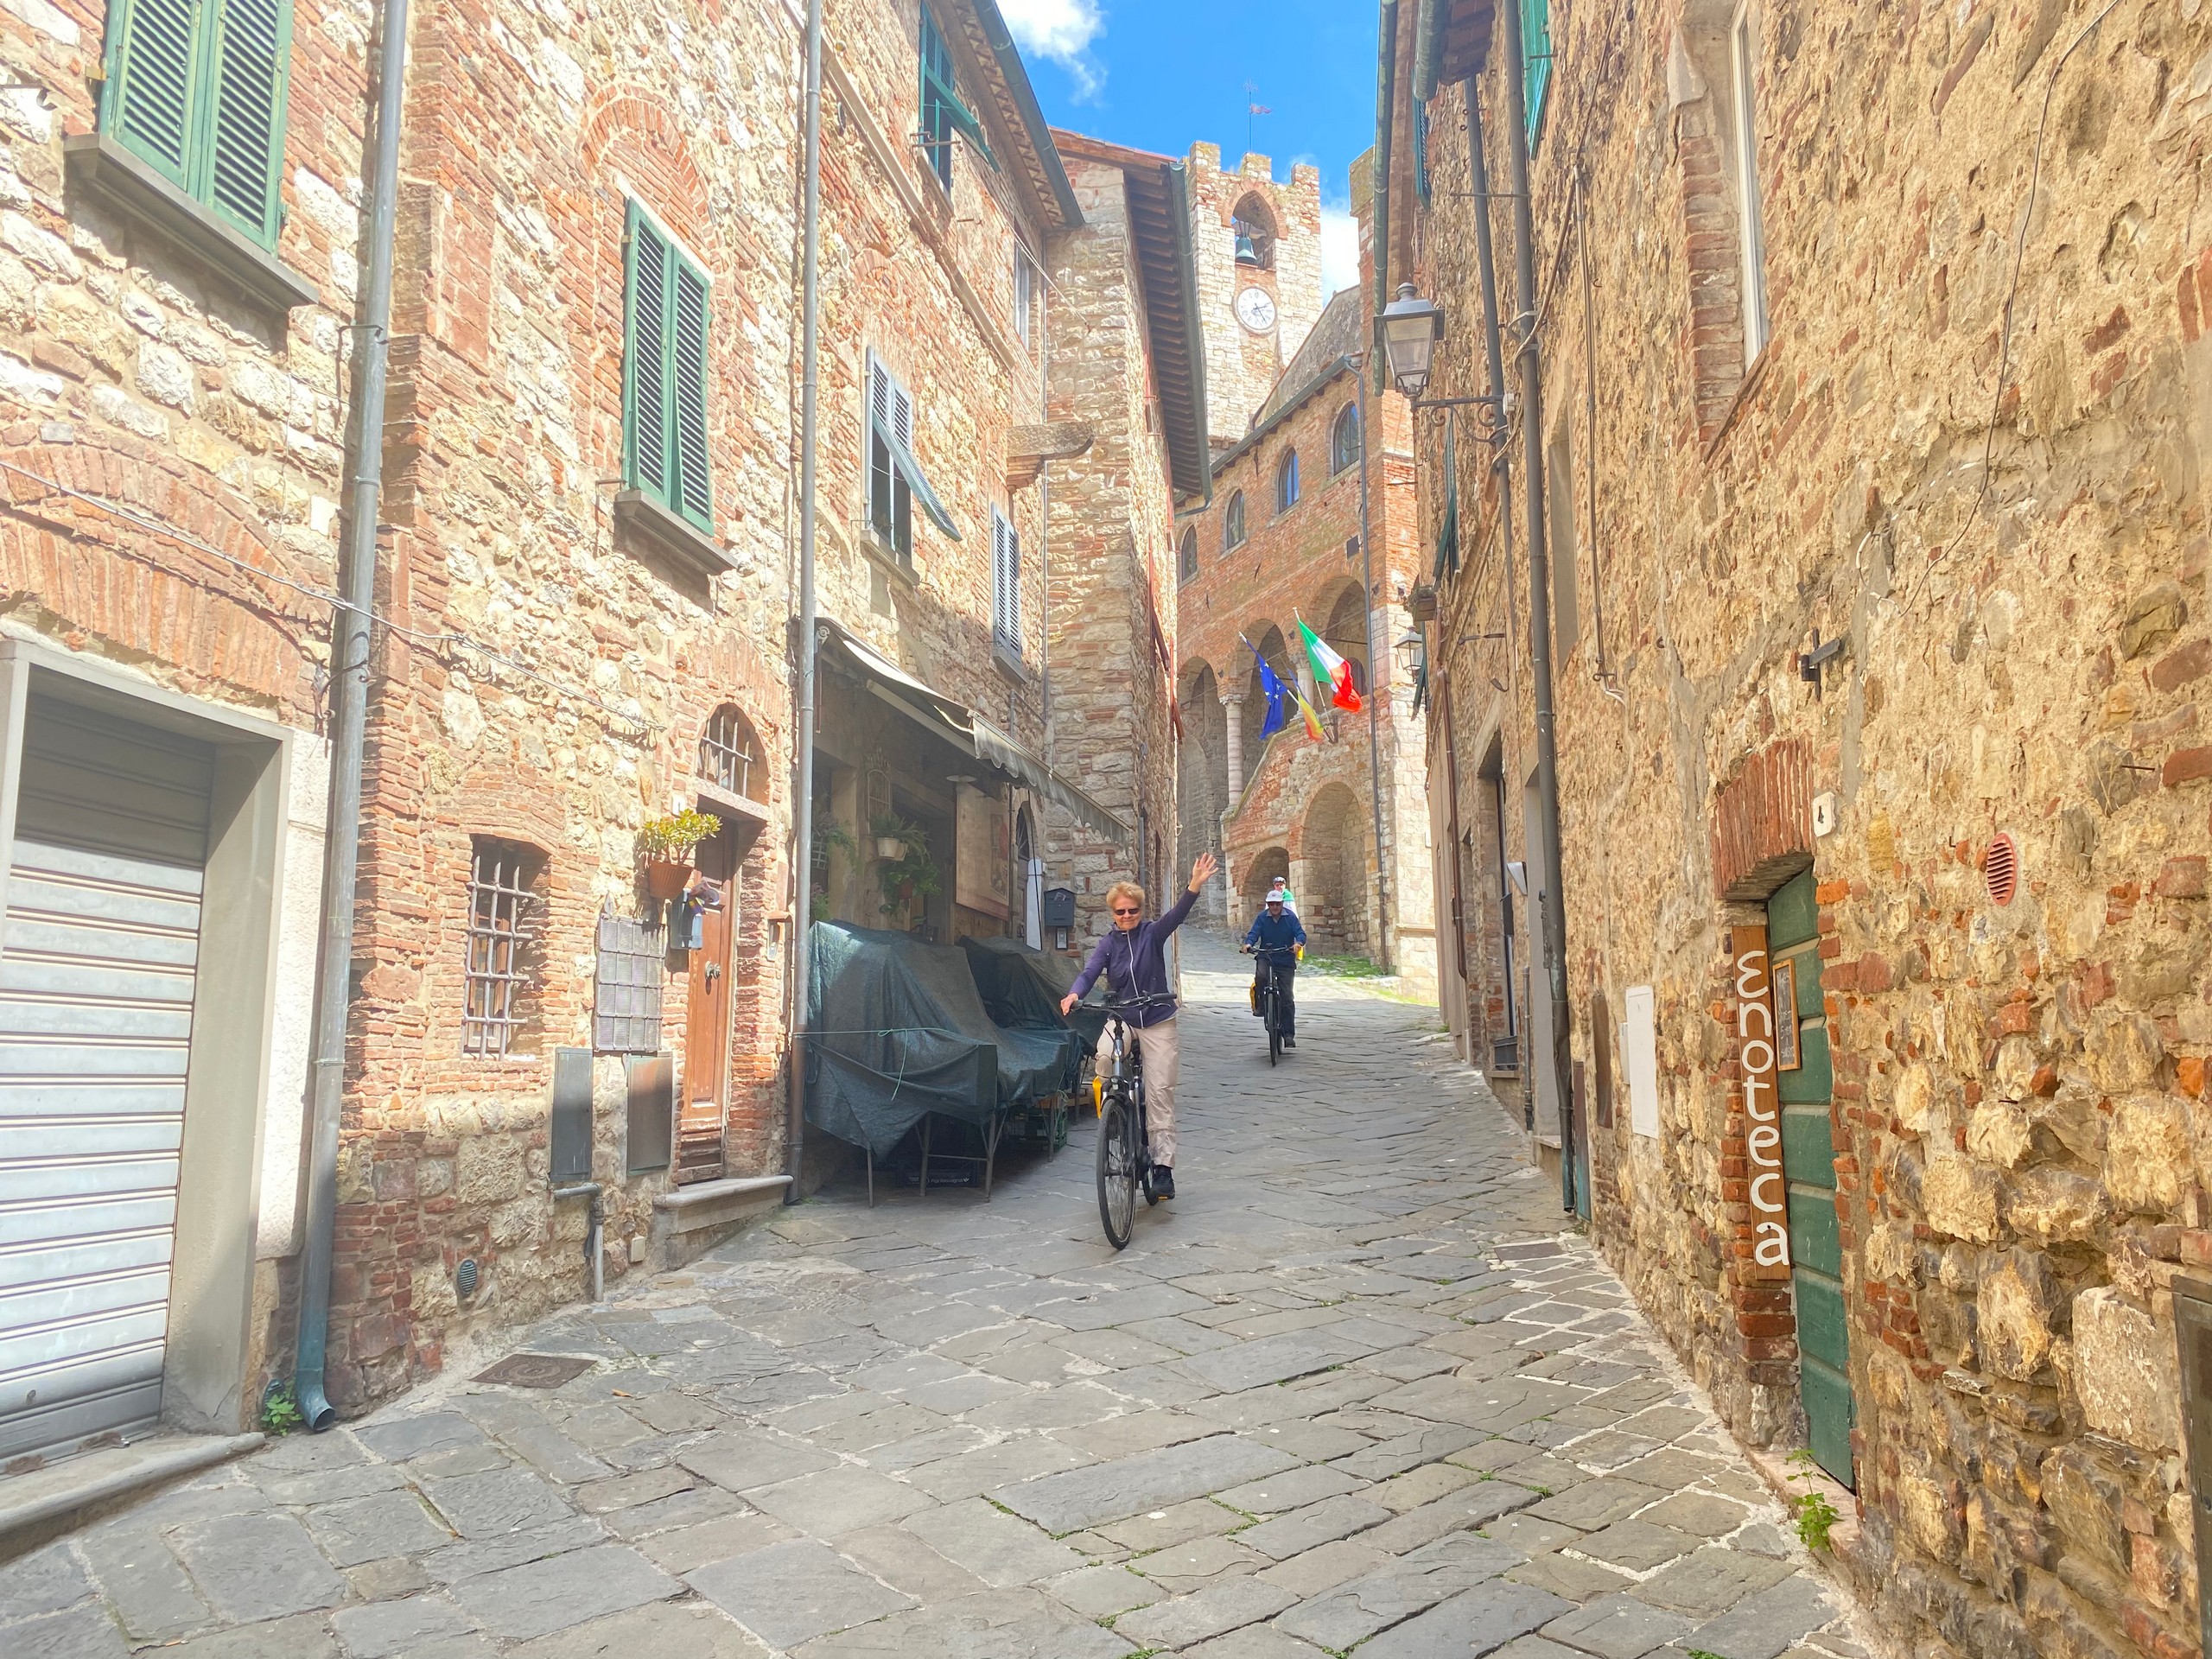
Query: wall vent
x,y
2000,869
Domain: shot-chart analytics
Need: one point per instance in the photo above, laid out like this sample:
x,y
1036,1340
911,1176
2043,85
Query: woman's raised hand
x,y
1202,872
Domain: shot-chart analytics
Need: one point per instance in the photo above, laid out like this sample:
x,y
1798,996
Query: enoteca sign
x,y
1754,1065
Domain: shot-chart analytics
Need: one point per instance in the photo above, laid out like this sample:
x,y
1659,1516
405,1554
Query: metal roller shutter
x,y
98,964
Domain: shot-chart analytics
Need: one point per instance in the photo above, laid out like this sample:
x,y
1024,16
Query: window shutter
x,y
1006,581
644,412
152,62
693,496
902,492
1536,55
251,50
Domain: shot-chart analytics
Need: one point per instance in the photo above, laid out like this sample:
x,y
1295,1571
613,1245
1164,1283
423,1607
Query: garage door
x,y
97,970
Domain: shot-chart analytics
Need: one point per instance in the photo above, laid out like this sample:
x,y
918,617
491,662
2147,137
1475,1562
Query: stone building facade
x,y
1875,413
583,621
174,363
1257,241
1281,542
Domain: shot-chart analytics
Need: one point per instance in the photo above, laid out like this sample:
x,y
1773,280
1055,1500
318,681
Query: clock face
x,y
1256,309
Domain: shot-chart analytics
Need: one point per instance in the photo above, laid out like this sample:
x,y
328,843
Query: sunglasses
x,y
1130,911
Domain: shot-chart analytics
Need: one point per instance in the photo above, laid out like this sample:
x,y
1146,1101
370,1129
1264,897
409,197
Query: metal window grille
x,y
626,989
728,755
500,947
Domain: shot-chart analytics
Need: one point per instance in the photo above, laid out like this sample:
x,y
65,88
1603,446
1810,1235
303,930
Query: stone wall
x,y
1113,599
2018,1103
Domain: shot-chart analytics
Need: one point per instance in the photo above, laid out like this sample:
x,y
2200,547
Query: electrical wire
x,y
460,642
2012,294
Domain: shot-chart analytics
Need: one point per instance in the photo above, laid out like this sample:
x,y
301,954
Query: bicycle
x,y
1270,1003
1123,1156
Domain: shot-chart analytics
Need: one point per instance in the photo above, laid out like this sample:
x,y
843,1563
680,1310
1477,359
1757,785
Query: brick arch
x,y
627,126
102,576
1345,634
1273,642
1262,869
1329,850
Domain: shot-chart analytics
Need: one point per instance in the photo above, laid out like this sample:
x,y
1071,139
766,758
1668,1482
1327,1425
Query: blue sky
x,y
1163,74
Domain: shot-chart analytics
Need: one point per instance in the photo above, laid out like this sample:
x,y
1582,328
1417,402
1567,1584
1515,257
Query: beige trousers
x,y
1161,1066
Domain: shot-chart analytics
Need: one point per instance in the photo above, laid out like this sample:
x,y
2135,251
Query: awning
x,y
965,730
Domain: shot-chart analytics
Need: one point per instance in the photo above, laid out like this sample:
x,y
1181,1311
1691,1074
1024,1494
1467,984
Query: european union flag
x,y
1278,694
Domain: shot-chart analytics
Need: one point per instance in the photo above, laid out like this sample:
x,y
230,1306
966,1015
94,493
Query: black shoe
x,y
1163,1181
1290,1042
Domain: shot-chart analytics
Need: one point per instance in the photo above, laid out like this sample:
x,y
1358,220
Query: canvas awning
x,y
960,726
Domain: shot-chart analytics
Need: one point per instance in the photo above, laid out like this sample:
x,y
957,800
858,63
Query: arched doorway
x,y
734,786
1269,865
1334,884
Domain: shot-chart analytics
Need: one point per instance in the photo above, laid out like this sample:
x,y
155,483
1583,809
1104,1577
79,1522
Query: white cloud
x,y
1061,31
1339,248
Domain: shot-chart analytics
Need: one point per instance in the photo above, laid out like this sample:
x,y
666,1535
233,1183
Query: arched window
x,y
1344,440
1256,233
1187,561
730,755
1232,524
1286,481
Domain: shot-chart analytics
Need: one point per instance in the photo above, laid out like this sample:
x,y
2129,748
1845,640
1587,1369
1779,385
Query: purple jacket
x,y
1135,962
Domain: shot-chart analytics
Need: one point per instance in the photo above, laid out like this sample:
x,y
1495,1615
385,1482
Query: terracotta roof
x,y
1160,226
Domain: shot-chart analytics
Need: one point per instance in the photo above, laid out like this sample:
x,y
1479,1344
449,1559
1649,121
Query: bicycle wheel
x,y
1117,1171
1274,1028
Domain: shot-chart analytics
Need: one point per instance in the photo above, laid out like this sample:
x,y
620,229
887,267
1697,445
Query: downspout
x,y
1385,99
803,725
1374,719
1501,462
349,703
1552,903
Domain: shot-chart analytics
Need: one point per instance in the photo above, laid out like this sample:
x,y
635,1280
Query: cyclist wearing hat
x,y
1276,939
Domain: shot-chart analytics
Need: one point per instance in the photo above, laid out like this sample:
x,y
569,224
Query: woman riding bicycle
x,y
1133,957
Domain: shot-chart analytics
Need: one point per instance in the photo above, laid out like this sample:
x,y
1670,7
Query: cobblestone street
x,y
1352,1392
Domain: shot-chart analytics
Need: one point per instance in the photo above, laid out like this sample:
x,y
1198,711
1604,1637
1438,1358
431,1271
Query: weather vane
x,y
1252,109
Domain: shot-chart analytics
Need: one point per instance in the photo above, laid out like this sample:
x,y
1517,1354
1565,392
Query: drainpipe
x,y
1374,719
802,802
1552,904
1386,102
349,699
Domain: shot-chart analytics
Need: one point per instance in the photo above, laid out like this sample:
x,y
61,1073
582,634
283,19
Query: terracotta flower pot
x,y
666,880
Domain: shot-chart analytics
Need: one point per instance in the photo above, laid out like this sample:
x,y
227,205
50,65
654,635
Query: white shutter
x,y
1010,584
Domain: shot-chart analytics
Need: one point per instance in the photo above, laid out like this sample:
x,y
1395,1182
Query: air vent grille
x,y
2000,870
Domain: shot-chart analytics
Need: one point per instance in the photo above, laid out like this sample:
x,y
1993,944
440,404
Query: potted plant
x,y
666,845
893,835
912,876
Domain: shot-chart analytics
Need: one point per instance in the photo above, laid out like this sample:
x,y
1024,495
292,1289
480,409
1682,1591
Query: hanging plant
x,y
912,875
894,836
667,845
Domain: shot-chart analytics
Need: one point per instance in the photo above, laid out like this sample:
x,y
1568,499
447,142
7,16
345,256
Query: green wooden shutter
x,y
243,154
688,346
153,62
645,359
1536,54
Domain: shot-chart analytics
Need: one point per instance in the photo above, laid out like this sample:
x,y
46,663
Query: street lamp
x,y
1408,650
1411,329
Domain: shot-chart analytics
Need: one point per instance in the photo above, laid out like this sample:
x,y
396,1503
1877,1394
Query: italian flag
x,y
1329,670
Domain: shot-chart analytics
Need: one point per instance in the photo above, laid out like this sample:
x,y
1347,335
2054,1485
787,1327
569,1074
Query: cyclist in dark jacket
x,y
1133,957
1276,939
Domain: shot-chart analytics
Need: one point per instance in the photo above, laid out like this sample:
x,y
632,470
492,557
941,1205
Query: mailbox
x,y
1059,908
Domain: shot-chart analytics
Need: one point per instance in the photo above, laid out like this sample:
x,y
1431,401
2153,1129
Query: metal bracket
x,y
1810,663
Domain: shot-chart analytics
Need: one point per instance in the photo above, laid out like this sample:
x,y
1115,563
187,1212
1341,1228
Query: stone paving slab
x,y
1356,1389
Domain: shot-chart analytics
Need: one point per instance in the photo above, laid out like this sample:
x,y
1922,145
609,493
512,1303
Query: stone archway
x,y
1332,879
1269,865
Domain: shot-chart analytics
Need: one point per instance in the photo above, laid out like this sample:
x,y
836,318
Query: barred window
x,y
730,755
501,1000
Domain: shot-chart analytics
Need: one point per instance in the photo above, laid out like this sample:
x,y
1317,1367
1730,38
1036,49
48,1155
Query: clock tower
x,y
1258,245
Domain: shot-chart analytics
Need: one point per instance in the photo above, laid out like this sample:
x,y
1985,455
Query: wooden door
x,y
1809,1168
706,1018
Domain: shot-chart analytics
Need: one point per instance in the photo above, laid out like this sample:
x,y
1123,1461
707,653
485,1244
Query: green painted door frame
x,y
1809,1166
